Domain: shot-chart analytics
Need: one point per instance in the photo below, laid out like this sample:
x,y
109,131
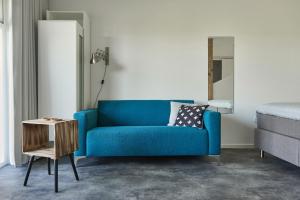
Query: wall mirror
x,y
221,73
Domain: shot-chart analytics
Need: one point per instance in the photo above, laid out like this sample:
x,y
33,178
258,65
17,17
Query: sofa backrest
x,y
135,112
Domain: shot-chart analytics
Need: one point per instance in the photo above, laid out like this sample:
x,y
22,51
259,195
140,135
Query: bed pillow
x,y
175,106
190,116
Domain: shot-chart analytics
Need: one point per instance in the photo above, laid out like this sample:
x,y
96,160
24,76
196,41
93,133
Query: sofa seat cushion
x,y
146,141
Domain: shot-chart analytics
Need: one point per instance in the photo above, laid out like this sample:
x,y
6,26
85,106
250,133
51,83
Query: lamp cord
x,y
101,86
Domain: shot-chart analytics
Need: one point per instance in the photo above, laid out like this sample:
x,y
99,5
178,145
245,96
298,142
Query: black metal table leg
x,y
73,166
49,166
56,175
28,170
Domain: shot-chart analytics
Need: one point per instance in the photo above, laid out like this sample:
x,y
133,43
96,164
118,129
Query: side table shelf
x,y
43,151
36,143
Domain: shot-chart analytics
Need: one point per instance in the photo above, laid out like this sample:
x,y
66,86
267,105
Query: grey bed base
x,y
279,137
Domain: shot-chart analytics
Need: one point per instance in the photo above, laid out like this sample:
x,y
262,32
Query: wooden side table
x,y
36,143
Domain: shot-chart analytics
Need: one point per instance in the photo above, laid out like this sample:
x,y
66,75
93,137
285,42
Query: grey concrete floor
x,y
241,174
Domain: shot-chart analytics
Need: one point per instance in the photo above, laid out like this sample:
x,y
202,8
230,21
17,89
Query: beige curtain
x,y
25,14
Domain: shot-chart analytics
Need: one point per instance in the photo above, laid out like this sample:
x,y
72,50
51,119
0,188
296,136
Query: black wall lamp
x,y
96,57
100,55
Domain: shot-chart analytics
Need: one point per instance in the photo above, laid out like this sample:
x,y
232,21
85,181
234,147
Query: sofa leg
x,y
217,159
262,154
77,158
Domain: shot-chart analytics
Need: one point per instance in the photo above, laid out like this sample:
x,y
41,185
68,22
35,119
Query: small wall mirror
x,y
221,73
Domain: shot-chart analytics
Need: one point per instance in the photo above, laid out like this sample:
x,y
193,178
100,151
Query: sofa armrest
x,y
212,123
87,119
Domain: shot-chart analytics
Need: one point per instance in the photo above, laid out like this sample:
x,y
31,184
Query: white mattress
x,y
285,110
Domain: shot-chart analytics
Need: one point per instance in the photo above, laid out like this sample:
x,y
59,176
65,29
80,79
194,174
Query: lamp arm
x,y
101,86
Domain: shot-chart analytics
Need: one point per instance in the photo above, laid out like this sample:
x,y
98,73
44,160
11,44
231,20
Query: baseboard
x,y
237,146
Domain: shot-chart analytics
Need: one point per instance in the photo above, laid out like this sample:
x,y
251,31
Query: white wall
x,y
159,51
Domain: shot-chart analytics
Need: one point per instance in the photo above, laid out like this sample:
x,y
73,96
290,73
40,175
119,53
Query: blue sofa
x,y
139,128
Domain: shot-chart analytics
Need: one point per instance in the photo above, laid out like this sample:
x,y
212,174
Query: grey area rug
x,y
241,174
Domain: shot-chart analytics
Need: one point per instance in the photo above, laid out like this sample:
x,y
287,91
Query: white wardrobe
x,y
63,66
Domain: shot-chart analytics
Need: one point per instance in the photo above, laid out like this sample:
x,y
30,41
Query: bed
x,y
278,131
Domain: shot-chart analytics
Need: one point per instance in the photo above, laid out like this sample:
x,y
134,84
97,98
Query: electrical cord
x,y
101,86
